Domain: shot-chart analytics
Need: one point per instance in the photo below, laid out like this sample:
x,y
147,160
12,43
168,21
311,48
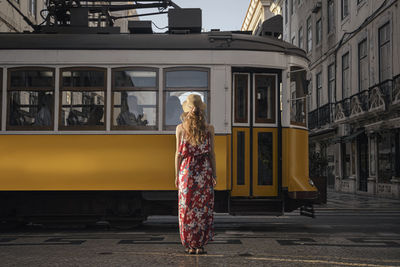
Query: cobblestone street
x,y
349,231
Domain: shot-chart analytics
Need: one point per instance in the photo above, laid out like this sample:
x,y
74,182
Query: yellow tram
x,y
88,123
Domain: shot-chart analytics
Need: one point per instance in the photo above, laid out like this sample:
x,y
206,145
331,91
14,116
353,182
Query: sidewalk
x,y
346,201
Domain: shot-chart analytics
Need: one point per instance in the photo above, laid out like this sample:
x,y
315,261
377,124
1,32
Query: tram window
x,y
186,78
30,99
31,78
241,155
265,98
83,78
82,99
241,95
178,85
128,78
134,108
298,99
173,106
265,158
135,99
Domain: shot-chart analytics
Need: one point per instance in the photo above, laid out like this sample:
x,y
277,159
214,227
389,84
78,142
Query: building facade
x,y
354,89
11,21
257,12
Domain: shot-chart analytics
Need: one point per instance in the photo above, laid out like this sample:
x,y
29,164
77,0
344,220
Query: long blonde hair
x,y
194,124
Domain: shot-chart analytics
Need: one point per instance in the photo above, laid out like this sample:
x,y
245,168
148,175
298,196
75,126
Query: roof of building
x,y
203,41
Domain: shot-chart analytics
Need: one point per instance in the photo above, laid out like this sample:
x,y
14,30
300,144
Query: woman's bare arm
x,y
212,152
178,157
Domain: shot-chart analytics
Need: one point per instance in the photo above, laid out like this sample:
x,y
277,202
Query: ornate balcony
x,y
378,98
396,90
359,103
342,109
313,119
320,116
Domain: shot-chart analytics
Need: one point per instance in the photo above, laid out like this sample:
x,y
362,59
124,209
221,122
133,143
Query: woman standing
x,y
195,176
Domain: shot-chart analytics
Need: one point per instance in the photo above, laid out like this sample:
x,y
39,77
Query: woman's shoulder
x,y
179,128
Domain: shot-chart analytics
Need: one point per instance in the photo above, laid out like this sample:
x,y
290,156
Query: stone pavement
x,y
346,201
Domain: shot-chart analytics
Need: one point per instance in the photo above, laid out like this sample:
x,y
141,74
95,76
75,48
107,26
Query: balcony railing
x,y
359,103
313,119
342,109
377,98
396,90
320,116
324,114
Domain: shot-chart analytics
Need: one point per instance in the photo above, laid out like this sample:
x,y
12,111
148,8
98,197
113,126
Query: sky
x,y
216,14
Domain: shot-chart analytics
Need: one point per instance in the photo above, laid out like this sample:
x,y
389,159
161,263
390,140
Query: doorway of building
x,y
363,168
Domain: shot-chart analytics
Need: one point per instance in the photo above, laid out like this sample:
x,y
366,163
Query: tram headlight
x,y
311,182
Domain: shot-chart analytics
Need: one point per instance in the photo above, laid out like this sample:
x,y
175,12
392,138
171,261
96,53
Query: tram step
x,y
256,207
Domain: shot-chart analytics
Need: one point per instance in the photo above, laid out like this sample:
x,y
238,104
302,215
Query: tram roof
x,y
203,41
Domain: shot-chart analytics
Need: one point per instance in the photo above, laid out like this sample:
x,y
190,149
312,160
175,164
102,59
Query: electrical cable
x,y
159,27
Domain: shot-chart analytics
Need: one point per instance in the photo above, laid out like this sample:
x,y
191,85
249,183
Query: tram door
x,y
254,135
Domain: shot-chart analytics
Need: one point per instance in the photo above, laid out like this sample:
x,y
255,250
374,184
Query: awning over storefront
x,y
345,139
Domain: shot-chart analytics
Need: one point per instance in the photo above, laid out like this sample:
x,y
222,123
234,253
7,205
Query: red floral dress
x,y
196,194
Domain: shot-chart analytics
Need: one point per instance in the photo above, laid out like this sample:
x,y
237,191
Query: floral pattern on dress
x,y
196,194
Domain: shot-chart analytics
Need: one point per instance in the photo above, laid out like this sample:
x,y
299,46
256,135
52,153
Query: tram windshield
x,y
298,93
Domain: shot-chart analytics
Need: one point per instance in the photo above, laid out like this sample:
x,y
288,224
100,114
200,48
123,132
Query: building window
x,y
82,94
286,11
372,155
291,7
331,18
353,157
318,80
179,83
31,99
388,156
345,76
32,7
319,32
362,66
301,45
134,99
309,35
385,55
331,83
345,8
346,159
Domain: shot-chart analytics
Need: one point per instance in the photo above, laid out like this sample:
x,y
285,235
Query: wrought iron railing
x,y
378,97
320,116
324,114
396,90
359,103
342,109
313,119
